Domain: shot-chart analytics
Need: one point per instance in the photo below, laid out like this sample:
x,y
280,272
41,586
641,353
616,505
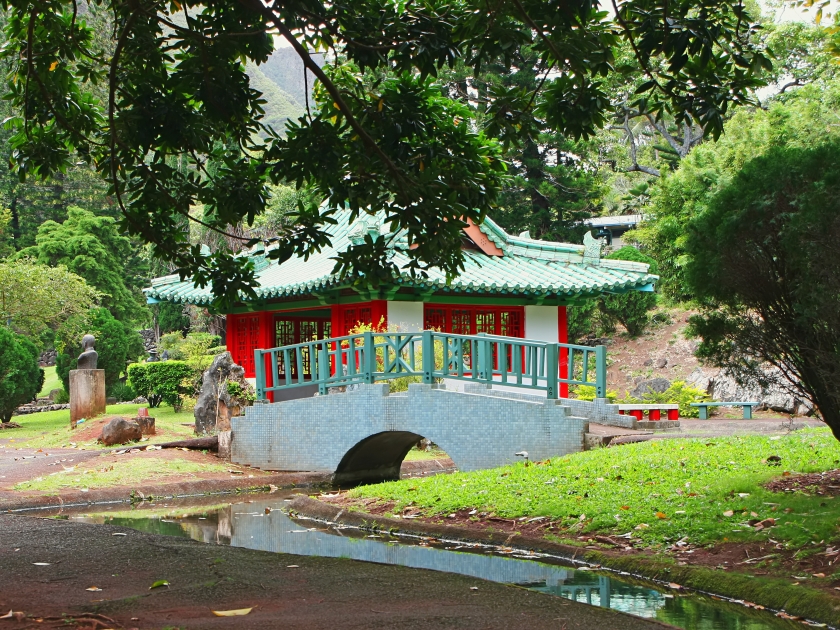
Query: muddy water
x,y
261,523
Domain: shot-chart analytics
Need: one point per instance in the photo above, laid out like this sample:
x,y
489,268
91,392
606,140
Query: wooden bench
x,y
654,411
704,408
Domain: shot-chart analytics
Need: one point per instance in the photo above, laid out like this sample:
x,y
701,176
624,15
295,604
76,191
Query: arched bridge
x,y
364,433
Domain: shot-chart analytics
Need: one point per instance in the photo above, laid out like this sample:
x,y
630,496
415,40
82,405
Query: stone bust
x,y
87,360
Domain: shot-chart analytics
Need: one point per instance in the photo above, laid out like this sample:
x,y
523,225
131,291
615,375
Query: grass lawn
x,y
51,381
418,455
52,428
699,491
128,471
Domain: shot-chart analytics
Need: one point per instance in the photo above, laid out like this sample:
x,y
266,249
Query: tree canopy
x,y
20,377
763,262
35,298
803,118
164,108
91,247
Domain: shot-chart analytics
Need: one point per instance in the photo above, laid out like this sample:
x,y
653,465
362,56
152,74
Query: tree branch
x,y
308,62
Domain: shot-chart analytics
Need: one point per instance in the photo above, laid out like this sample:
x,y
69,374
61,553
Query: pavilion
x,y
511,285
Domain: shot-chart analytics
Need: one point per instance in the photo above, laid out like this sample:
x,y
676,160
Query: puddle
x,y
261,524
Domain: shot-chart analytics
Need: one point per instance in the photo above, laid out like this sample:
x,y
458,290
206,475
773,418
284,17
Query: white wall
x,y
408,316
541,323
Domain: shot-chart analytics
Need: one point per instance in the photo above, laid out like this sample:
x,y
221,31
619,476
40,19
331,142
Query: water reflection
x,y
261,525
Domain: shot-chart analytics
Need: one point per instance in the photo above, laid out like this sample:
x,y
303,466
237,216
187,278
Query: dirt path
x,y
284,591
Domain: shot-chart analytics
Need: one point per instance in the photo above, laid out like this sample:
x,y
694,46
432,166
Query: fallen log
x,y
196,444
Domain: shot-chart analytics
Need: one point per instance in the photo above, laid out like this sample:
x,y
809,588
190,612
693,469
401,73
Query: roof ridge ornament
x,y
592,251
363,226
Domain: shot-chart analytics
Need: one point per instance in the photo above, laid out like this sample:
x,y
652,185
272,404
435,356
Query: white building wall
x,y
541,323
407,316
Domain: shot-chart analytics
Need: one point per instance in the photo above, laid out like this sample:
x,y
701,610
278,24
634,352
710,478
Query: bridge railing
x,y
430,356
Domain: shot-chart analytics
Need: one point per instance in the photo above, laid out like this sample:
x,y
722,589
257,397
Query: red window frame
x,y
506,321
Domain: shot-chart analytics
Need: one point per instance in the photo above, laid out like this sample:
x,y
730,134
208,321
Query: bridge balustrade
x,y
430,356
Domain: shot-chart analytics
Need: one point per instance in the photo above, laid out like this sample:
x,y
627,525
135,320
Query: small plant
x,y
235,390
678,393
62,397
123,392
587,392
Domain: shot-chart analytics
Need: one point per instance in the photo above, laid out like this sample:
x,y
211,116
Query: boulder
x,y
775,396
54,393
699,379
215,406
661,362
120,431
655,385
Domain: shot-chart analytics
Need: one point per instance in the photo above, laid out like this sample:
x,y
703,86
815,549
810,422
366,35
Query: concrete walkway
x,y
49,569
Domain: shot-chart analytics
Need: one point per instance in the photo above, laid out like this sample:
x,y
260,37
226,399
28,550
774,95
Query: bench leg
x,y
673,414
638,414
654,414
704,413
621,412
747,412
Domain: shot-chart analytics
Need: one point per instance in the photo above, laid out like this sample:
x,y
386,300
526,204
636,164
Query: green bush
x,y
62,397
587,392
20,377
631,309
123,392
235,390
161,382
678,393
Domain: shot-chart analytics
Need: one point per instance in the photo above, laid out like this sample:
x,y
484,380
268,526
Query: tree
x,y
381,136
805,117
20,377
631,309
35,298
764,264
116,344
91,247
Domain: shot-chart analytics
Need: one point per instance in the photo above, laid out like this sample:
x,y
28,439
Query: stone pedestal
x,y
87,394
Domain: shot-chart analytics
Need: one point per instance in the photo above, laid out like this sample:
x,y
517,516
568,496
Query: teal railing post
x,y
428,349
259,372
485,359
600,371
323,371
369,358
552,365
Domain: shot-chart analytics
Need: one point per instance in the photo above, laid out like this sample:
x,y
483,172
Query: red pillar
x,y
673,414
563,337
654,414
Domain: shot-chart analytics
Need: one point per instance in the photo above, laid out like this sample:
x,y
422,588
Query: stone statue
x,y
87,360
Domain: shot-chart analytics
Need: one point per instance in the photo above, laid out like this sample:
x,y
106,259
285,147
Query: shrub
x,y
161,382
235,390
62,397
123,392
20,377
587,392
678,393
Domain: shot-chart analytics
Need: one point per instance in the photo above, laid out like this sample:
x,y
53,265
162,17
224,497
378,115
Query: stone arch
x,y
376,458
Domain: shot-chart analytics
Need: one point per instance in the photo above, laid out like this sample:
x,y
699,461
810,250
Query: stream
x,y
260,522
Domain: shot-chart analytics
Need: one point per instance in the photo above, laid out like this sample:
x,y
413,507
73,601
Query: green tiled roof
x,y
528,267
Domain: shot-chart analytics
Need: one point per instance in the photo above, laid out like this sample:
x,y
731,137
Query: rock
x,y
775,396
215,406
140,400
648,363
699,379
661,362
54,393
655,385
120,431
110,400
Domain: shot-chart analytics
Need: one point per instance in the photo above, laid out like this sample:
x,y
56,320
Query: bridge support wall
x,y
364,434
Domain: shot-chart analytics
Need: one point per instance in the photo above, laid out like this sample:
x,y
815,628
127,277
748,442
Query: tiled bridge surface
x,y
364,434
